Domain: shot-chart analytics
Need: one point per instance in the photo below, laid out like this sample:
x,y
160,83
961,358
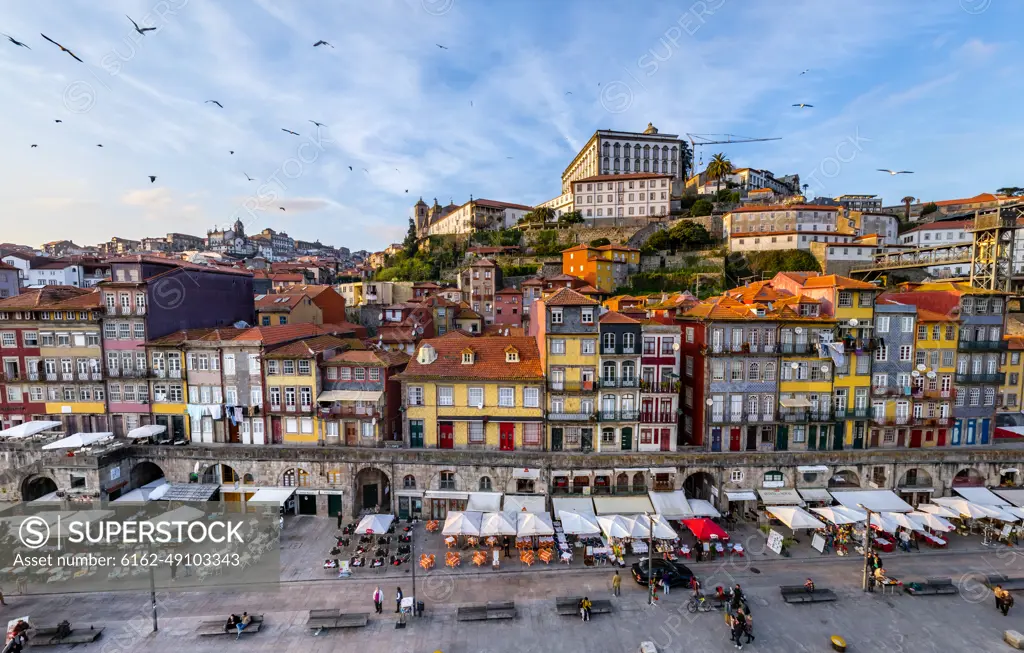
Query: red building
x,y
18,346
508,307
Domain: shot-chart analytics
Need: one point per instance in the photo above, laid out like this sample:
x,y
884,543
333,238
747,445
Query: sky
x,y
497,113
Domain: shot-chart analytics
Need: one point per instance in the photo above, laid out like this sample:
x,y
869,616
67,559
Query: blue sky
x,y
932,87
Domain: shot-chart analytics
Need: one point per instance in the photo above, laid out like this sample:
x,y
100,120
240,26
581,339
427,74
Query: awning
x,y
275,495
577,473
498,523
147,431
582,506
794,517
462,523
811,469
873,500
523,503
78,440
1016,497
702,508
670,505
179,514
375,523
534,523
622,505
741,495
185,492
52,497
1009,470
781,497
574,523
794,402
527,473
630,469
142,494
560,472
664,470
28,429
446,494
372,396
981,496
409,493
815,494
603,472
840,515
484,501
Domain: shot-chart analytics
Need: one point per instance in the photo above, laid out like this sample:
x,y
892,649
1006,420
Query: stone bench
x,y
1014,639
321,620
800,594
47,636
932,587
213,627
1005,581
569,606
487,611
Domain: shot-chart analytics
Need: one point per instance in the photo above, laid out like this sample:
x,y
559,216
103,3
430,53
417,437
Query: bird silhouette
x,y
318,124
322,42
231,151
407,190
350,167
16,42
34,145
366,171
805,71
58,120
289,131
281,207
99,144
214,102
248,177
471,103
152,179
568,92
140,30
896,172
441,46
62,48
804,106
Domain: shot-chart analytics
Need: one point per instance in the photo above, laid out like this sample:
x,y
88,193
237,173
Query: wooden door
x,y
507,436
812,436
734,438
666,439
351,434
446,436
874,438
275,426
984,430
627,438
782,439
915,438
556,438
716,439
416,434
751,438
941,441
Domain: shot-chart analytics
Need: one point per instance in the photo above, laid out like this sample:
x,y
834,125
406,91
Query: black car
x,y
678,575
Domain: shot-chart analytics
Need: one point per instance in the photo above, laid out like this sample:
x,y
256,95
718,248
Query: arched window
x,y
773,477
446,481
626,164
640,482
769,371
248,479
622,482
607,147
616,164
636,163
485,483
608,372
605,164
288,478
628,370
753,372
303,478
647,151
636,151
626,147
647,165
664,153
617,149
409,482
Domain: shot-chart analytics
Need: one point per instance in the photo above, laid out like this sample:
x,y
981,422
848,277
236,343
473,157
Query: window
x,y
306,397
532,433
476,397
275,396
255,396
485,484
203,361
866,299
882,353
359,373
905,352
689,334
415,395
608,342
272,366
231,395
556,316
304,368
882,324
409,482
346,374
922,331
507,397
845,299
306,425
587,315
558,346
446,481
588,347
375,374
531,398
907,324
444,396
476,432
139,331
287,368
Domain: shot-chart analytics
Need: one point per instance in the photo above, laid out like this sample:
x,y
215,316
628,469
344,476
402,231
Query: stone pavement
x,y
876,623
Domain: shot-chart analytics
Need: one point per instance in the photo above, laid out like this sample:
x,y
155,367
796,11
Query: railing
x,y
981,345
744,348
51,377
659,386
862,344
660,418
126,310
111,310
981,378
888,391
571,417
852,413
572,386
66,376
629,350
618,415
353,411
83,376
799,415
888,420
619,382
33,376
800,348
174,374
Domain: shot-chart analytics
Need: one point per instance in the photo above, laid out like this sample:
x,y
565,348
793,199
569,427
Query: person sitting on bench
x,y
882,579
809,585
232,621
63,630
245,621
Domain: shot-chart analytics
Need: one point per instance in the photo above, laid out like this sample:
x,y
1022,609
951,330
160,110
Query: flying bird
x,y
322,42
804,106
16,42
140,30
152,179
407,190
805,71
62,48
471,103
281,207
366,171
443,47
248,177
58,120
214,102
350,167
231,151
34,145
318,124
896,172
99,144
289,131
568,92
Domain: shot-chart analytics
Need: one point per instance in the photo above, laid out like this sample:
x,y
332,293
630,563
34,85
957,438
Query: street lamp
x,y
867,548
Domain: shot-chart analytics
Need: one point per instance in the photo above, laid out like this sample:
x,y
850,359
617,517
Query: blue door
x,y
984,431
716,439
971,430
956,432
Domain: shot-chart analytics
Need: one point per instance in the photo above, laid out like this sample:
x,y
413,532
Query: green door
x,y
782,439
627,438
812,437
822,438
556,438
416,433
838,434
333,504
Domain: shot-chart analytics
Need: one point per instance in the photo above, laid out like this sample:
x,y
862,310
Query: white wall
x,y
636,200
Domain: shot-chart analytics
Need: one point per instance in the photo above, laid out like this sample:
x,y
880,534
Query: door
x,y
446,435
941,440
858,436
822,438
782,439
275,426
956,432
812,437
971,431
507,436
416,434
177,428
874,438
751,438
403,508
587,439
666,439
734,438
838,434
307,504
369,496
234,432
627,438
556,438
333,505
984,431
915,438
716,439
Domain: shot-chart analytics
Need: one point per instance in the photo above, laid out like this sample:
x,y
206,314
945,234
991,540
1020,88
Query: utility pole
x,y
650,560
867,549
152,597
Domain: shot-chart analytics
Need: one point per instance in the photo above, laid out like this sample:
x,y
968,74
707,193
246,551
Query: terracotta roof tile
x,y
282,302
569,297
53,298
614,317
843,283
489,361
308,347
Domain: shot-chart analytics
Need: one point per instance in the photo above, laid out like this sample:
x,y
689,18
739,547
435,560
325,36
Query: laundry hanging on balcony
x,y
836,351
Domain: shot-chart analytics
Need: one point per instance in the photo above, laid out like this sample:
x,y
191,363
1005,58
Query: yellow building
x,y
605,268
292,385
286,308
461,392
565,325
805,376
168,388
935,349
1011,392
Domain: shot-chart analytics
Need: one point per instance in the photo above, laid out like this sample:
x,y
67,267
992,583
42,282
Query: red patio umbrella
x,y
703,529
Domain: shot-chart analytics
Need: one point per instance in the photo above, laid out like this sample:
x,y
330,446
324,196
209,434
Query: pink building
x,y
508,307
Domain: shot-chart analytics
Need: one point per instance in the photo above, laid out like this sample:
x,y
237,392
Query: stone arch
x,y
248,479
915,477
622,482
145,472
220,473
409,482
372,490
844,478
968,477
698,485
37,485
295,477
639,482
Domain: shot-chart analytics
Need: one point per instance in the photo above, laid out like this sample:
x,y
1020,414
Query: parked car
x,y
678,575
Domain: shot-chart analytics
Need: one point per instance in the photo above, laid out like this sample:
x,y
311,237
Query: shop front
x,y
441,502
410,504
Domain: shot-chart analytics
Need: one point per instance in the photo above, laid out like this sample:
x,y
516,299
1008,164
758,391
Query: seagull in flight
x,y
289,131
140,30
322,42
62,48
350,167
247,176
318,124
896,172
34,145
58,120
281,207
568,92
443,47
152,179
805,71
231,151
16,42
99,145
804,106
214,102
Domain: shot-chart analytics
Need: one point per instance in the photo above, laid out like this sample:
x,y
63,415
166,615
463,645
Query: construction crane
x,y
720,139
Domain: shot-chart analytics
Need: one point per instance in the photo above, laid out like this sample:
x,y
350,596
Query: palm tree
x,y
907,201
719,168
806,186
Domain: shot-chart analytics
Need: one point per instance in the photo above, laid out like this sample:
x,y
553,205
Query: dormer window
x,y
511,355
468,356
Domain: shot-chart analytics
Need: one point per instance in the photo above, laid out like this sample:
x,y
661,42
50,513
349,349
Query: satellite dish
x,y
794,365
675,346
798,330
824,368
380,317
931,375
710,402
915,374
921,367
854,321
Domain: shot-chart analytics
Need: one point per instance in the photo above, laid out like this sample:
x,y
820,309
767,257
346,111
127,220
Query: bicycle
x,y
699,604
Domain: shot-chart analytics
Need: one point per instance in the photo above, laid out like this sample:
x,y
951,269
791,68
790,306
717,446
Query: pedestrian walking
x,y
617,584
22,584
174,570
905,540
3,602
378,601
398,601
339,520
665,582
508,547
736,631
748,625
1004,600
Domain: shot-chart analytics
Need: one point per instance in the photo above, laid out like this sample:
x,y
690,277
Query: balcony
x,y
140,310
981,345
744,348
981,378
886,391
670,387
852,413
859,344
618,416
804,348
97,376
111,310
660,418
570,417
67,376
51,377
126,310
83,376
33,376
160,374
619,382
572,386
889,420
797,416
174,374
628,350
350,410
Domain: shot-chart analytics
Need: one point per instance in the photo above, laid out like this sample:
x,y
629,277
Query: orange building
x,y
605,268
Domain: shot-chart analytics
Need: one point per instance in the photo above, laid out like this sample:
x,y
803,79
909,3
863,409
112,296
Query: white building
x,y
623,196
860,202
780,218
478,215
743,180
763,240
937,233
38,271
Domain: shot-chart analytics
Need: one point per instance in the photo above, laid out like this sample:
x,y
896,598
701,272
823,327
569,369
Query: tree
x,y
411,243
1012,191
928,208
547,243
719,168
600,242
907,201
572,217
690,234
701,207
806,186
539,215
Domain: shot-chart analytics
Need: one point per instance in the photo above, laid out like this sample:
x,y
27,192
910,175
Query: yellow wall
x,y
431,413
77,407
1015,388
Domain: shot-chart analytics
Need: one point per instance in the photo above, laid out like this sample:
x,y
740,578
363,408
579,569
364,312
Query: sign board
x,y
775,541
773,484
818,542
115,473
1005,533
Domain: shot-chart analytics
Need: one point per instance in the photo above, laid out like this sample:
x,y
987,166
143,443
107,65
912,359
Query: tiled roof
x,y
757,292
6,266
721,308
569,297
502,205
53,298
509,291
614,317
981,197
276,303
489,360
1014,342
371,357
785,207
924,315
942,224
589,290
837,281
617,247
466,313
287,276
533,282
625,176
309,290
484,263
308,347
497,330
562,277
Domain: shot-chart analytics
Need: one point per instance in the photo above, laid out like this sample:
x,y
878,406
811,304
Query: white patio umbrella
x,y
794,517
883,523
78,440
574,523
28,429
840,515
702,508
938,511
1002,514
932,521
965,508
615,526
662,531
498,523
374,524
462,523
533,523
904,520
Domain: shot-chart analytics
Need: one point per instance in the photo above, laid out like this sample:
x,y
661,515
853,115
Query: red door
x,y
666,439
734,438
915,438
446,437
275,424
507,436
942,438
